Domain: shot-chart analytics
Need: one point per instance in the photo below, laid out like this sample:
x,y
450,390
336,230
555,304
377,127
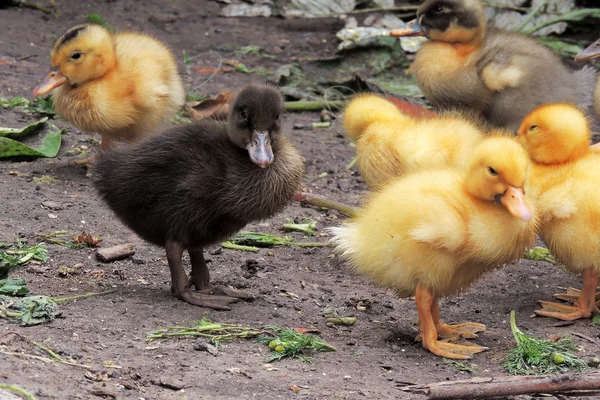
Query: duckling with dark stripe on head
x,y
501,75
196,185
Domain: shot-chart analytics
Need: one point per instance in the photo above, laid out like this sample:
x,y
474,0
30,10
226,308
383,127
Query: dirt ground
x,y
374,358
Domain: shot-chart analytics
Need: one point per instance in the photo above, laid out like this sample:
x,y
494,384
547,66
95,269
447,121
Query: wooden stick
x,y
319,201
482,388
115,253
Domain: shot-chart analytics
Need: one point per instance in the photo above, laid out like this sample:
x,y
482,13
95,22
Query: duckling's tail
x,y
344,239
364,109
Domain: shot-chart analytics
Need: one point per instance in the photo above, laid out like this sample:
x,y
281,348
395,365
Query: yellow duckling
x,y
564,183
390,143
120,85
433,233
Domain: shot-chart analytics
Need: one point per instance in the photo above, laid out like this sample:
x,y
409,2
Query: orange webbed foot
x,y
467,330
565,312
445,348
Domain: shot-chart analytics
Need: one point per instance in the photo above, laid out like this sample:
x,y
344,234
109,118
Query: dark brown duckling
x,y
502,75
196,185
592,52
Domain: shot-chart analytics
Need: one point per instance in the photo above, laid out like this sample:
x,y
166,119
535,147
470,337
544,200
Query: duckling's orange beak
x,y
260,150
514,201
53,80
413,28
590,53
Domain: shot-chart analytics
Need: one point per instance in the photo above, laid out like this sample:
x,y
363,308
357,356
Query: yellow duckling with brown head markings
x,y
500,74
433,233
390,143
564,184
121,86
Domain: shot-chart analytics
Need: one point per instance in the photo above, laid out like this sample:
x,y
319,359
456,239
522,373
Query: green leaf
x,y
13,287
16,102
44,106
99,20
15,133
48,148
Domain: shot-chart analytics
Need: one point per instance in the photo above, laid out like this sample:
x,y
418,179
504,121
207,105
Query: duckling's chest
x,y
447,74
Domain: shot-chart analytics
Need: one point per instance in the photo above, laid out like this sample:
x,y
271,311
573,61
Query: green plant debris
x,y
540,254
253,50
17,390
65,239
35,310
187,60
41,105
286,342
580,15
242,68
48,148
596,320
254,240
308,226
195,97
99,20
211,331
15,102
18,253
44,106
16,133
45,180
458,365
539,356
13,287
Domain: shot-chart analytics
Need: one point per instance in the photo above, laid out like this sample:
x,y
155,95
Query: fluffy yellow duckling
x,y
433,233
564,183
390,143
120,85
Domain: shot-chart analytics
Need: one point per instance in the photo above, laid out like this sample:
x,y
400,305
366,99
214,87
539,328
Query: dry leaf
x,y
302,331
294,388
217,108
88,239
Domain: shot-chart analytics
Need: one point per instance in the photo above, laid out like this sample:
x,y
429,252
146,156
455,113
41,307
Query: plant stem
x,y
315,244
319,201
81,296
297,106
513,327
531,15
17,390
233,246
50,352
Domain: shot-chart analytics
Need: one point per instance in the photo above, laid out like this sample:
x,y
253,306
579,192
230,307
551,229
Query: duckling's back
x,y
191,184
539,76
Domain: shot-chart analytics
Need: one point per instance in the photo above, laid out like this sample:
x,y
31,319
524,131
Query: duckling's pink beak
x,y
260,149
413,28
53,80
514,201
590,53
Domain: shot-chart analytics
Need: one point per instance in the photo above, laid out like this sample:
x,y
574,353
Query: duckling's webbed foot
x,y
428,310
585,305
467,330
180,284
572,294
200,279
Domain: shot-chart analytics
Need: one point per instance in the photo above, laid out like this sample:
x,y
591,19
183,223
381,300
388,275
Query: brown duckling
x,y
122,86
502,75
196,185
592,52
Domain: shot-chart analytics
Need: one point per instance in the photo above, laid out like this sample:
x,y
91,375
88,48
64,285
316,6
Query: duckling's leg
x,y
200,278
467,330
180,283
425,304
586,302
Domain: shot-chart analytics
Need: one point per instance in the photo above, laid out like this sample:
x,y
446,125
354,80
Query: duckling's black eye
x,y
76,56
437,9
492,171
533,128
244,114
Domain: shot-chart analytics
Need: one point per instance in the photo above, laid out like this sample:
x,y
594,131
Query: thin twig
x,y
80,296
35,6
44,359
379,9
297,106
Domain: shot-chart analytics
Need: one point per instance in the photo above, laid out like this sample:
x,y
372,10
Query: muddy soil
x,y
375,358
